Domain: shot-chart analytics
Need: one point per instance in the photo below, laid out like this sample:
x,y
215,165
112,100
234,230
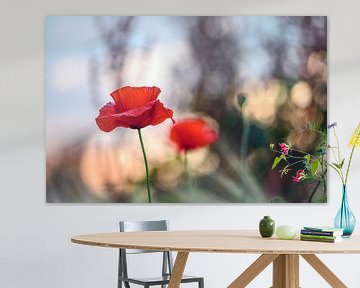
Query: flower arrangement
x,y
314,165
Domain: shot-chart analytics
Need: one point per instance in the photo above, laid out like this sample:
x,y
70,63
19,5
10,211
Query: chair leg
x,y
201,283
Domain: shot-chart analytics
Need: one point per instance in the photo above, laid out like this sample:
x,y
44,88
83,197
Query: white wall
x,y
35,248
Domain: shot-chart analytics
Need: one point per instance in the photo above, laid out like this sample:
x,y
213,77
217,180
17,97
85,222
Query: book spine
x,y
319,236
319,233
317,239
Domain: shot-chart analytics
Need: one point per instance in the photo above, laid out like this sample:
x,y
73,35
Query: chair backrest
x,y
137,226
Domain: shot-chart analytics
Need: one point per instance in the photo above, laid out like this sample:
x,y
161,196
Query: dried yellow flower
x,y
355,137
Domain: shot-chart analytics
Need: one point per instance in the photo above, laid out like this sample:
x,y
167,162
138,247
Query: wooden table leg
x,y
324,271
293,262
286,271
178,269
253,270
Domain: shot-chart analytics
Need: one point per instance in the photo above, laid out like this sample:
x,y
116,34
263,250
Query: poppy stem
x,y
146,165
187,171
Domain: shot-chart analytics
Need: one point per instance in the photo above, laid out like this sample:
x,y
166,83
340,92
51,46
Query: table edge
x,y
203,250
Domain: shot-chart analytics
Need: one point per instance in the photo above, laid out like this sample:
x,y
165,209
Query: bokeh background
x,y
259,79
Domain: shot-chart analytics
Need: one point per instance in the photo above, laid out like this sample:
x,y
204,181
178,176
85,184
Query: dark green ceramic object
x,y
266,226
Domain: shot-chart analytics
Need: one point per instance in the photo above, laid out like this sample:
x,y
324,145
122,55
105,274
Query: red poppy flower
x,y
134,107
192,133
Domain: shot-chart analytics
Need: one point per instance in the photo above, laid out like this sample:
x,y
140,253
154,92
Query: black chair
x,y
167,265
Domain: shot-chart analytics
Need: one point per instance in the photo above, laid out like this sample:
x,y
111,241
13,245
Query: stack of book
x,y
321,234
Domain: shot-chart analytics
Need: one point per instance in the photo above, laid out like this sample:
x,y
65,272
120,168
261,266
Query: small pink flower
x,y
284,148
300,174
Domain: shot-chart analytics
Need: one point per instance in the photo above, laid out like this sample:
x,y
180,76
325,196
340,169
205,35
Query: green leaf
x,y
339,166
277,161
314,166
342,163
307,157
271,146
336,165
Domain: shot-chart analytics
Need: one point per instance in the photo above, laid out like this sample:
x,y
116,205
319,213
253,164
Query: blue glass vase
x,y
345,219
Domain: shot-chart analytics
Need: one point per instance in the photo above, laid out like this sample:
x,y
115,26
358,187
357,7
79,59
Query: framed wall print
x,y
170,109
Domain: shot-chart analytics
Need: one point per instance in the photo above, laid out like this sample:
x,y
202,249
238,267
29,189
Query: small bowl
x,y
285,232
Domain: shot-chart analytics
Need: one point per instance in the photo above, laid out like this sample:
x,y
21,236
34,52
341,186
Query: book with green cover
x,y
319,236
325,240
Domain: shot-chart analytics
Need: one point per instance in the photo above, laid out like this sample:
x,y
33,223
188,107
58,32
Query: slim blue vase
x,y
345,219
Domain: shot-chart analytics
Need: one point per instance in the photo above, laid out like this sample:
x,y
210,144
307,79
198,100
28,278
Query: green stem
x,y
338,145
298,151
340,159
323,171
318,184
351,155
333,152
348,166
297,162
146,165
336,169
288,155
244,140
187,171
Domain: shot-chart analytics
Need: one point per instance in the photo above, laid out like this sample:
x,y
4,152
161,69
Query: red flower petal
x,y
105,121
152,113
192,133
129,98
135,107
160,113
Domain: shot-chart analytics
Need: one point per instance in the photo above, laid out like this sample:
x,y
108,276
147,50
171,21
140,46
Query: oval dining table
x,y
284,254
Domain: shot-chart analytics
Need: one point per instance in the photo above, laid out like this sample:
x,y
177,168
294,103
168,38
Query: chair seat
x,y
158,280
